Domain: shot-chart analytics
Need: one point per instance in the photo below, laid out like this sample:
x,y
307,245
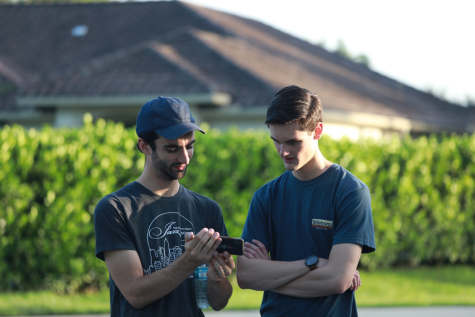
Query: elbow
x,y
220,306
342,285
135,302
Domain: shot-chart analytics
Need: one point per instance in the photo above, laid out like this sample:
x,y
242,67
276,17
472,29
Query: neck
x,y
166,188
314,168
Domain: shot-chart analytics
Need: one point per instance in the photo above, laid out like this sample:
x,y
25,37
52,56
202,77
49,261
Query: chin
x,y
290,167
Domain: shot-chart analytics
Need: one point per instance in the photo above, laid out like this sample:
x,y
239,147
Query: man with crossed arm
x,y
315,219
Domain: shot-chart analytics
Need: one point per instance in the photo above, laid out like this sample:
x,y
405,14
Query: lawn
x,y
396,287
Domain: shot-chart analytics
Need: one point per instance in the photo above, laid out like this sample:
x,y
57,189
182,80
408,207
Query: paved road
x,y
451,311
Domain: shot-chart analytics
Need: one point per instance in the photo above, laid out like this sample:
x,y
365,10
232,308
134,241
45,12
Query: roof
x,y
174,47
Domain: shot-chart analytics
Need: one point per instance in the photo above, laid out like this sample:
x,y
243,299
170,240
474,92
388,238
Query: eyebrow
x,y
176,145
291,140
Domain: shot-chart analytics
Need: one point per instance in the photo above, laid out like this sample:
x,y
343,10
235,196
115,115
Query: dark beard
x,y
165,172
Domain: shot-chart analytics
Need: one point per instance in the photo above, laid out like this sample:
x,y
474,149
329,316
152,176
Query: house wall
x,y
336,124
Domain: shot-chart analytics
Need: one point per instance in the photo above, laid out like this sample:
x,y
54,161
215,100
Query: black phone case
x,y
232,245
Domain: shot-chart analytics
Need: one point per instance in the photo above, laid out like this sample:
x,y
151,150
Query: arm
x,y
259,251
219,288
334,278
255,271
140,290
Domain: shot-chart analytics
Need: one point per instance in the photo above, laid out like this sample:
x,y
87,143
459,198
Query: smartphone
x,y
232,245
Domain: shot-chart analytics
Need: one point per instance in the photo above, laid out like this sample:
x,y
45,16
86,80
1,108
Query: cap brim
x,y
177,130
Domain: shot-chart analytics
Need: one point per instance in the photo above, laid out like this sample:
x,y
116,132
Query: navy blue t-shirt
x,y
295,219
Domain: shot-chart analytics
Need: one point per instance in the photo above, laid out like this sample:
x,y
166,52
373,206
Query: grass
x,y
451,285
42,303
418,287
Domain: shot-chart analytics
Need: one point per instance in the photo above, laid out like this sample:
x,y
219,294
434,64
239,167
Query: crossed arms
x,y
332,276
140,290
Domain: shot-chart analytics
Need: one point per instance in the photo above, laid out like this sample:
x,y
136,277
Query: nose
x,y
283,151
184,157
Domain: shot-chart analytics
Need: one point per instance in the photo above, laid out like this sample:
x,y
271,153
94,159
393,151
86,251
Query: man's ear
x,y
318,131
143,146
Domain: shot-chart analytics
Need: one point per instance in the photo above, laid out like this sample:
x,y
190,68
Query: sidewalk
x,y
440,311
443,311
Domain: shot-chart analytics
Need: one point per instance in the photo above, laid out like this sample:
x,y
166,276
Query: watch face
x,y
311,260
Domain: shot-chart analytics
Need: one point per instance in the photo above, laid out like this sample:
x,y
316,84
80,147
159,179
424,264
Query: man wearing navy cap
x,y
153,233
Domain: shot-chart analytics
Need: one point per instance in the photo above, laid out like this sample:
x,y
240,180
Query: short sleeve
x,y
256,226
111,229
355,221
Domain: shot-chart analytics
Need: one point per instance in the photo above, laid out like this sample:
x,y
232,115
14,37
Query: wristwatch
x,y
311,262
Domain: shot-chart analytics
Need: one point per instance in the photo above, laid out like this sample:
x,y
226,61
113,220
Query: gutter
x,y
211,98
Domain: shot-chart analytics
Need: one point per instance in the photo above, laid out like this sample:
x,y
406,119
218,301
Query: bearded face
x,y
165,170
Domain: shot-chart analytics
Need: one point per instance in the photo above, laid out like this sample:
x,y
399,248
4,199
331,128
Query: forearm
x,y
262,275
219,293
146,289
320,282
335,277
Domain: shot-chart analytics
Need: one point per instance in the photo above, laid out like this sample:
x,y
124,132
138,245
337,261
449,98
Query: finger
x,y
207,241
229,260
246,248
189,236
211,273
213,244
252,246
202,232
197,238
249,256
262,248
251,251
218,267
255,250
260,245
222,262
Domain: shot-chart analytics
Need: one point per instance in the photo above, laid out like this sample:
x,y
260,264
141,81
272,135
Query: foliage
x,y
423,193
342,50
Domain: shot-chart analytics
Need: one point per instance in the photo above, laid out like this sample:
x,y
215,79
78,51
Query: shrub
x,y
50,181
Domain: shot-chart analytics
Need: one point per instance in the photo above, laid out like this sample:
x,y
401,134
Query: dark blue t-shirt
x,y
134,218
295,219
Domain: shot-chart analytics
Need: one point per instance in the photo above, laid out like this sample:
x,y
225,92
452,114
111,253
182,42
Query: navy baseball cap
x,y
169,117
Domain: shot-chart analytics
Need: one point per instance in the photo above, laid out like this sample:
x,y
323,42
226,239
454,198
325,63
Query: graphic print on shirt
x,y
322,224
166,239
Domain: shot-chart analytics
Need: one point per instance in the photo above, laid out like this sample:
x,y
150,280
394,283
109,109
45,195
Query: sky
x,y
429,45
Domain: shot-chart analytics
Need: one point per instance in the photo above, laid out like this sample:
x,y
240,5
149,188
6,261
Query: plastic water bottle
x,y
201,286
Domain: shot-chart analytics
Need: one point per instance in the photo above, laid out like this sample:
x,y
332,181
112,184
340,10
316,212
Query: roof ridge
x,y
10,74
190,6
172,56
260,80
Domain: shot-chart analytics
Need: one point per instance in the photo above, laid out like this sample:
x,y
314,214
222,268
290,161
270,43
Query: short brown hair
x,y
295,104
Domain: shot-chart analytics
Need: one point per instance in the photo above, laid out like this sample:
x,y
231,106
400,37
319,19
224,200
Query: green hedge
x,y
50,181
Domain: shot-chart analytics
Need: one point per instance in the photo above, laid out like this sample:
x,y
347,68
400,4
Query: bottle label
x,y
200,273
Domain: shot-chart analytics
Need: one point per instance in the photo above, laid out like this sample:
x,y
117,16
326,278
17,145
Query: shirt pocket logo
x,y
322,224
